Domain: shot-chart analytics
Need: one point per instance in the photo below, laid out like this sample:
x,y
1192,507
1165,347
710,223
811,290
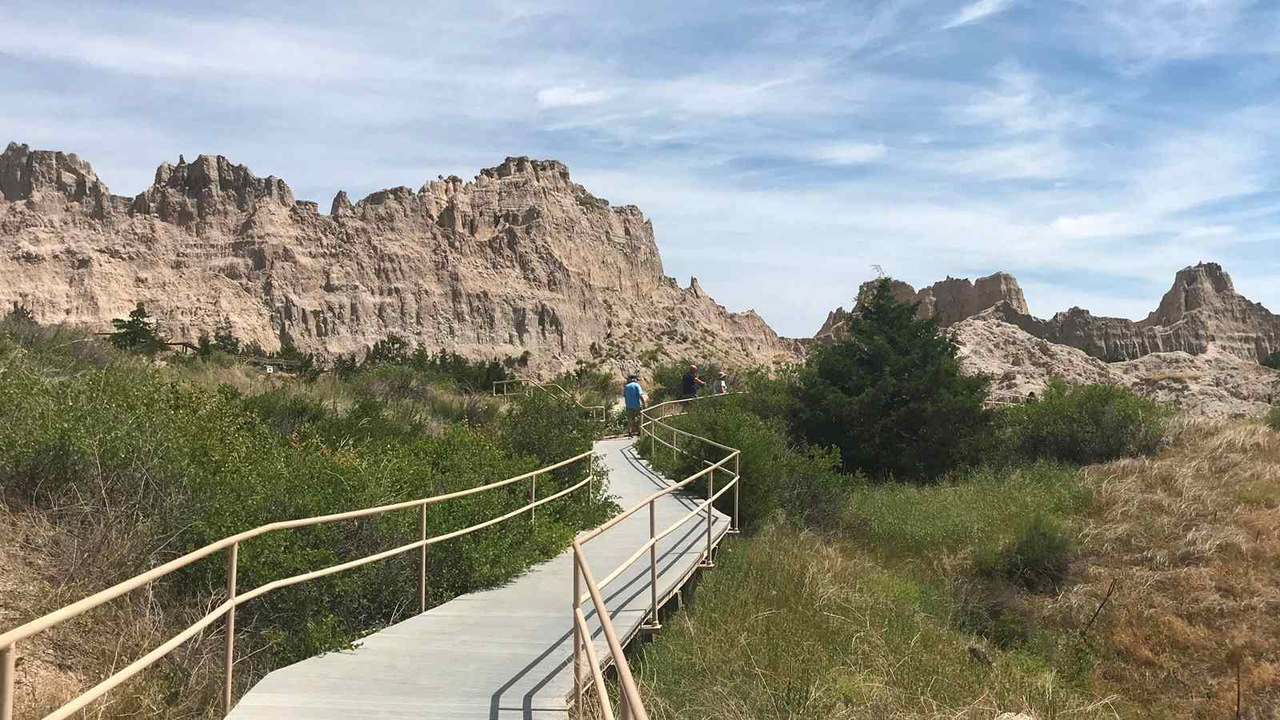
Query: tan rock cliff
x,y
520,259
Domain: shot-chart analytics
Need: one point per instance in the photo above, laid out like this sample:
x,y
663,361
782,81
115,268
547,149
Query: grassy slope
x,y
876,620
865,624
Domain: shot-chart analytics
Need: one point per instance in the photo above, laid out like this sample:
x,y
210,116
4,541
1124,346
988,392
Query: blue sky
x,y
1090,147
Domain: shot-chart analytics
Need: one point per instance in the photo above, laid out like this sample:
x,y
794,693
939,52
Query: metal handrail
x,y
632,706
9,639
546,387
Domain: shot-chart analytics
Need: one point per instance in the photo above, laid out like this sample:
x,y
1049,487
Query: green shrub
x,y
891,396
776,475
993,609
1038,558
1081,424
1273,417
668,378
1272,361
182,466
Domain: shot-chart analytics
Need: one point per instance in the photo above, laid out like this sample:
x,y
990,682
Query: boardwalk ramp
x,y
504,653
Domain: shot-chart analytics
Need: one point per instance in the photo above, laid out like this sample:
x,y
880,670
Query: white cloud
x,y
1019,104
1145,33
571,96
977,11
1111,224
849,153
1043,160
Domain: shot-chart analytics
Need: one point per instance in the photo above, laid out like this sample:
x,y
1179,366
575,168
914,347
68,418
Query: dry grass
x,y
50,565
1192,537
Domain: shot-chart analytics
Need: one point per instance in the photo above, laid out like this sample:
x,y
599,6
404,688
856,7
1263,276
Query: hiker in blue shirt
x,y
635,398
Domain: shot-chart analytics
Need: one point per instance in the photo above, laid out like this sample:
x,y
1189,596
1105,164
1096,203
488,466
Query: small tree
x,y
391,350
224,339
138,333
890,394
20,316
1272,361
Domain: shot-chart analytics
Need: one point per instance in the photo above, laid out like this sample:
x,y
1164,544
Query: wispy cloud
x,y
787,147
847,153
571,96
977,11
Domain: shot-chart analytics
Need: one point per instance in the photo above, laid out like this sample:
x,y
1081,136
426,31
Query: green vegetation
x,y
890,394
138,333
1085,424
668,378
906,549
1272,360
801,481
1273,417
130,464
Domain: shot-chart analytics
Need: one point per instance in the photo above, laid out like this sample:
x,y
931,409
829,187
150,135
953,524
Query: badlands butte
x,y
522,259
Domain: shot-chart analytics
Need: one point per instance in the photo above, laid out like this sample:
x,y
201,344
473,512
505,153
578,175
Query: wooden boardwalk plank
x,y
502,653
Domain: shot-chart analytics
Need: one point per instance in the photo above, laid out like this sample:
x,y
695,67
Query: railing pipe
x,y
578,639
8,671
580,628
711,496
229,652
422,561
737,480
630,694
653,560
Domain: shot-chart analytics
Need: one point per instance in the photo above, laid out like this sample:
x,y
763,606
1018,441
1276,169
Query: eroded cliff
x,y
519,259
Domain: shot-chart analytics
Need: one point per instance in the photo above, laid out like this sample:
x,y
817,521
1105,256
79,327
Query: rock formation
x,y
1211,383
1201,310
1199,350
521,259
948,301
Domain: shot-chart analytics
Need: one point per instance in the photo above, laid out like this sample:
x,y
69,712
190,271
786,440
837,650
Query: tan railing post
x,y
228,660
422,561
8,670
624,708
591,475
674,439
533,497
578,639
737,482
711,492
653,563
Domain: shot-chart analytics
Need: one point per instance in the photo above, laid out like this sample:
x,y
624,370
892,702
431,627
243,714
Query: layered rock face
x,y
948,301
1212,383
1201,310
520,259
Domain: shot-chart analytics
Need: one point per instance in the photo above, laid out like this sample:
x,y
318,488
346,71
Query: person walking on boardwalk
x,y
634,397
721,385
691,383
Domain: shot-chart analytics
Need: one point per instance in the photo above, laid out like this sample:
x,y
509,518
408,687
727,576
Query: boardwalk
x,y
503,653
